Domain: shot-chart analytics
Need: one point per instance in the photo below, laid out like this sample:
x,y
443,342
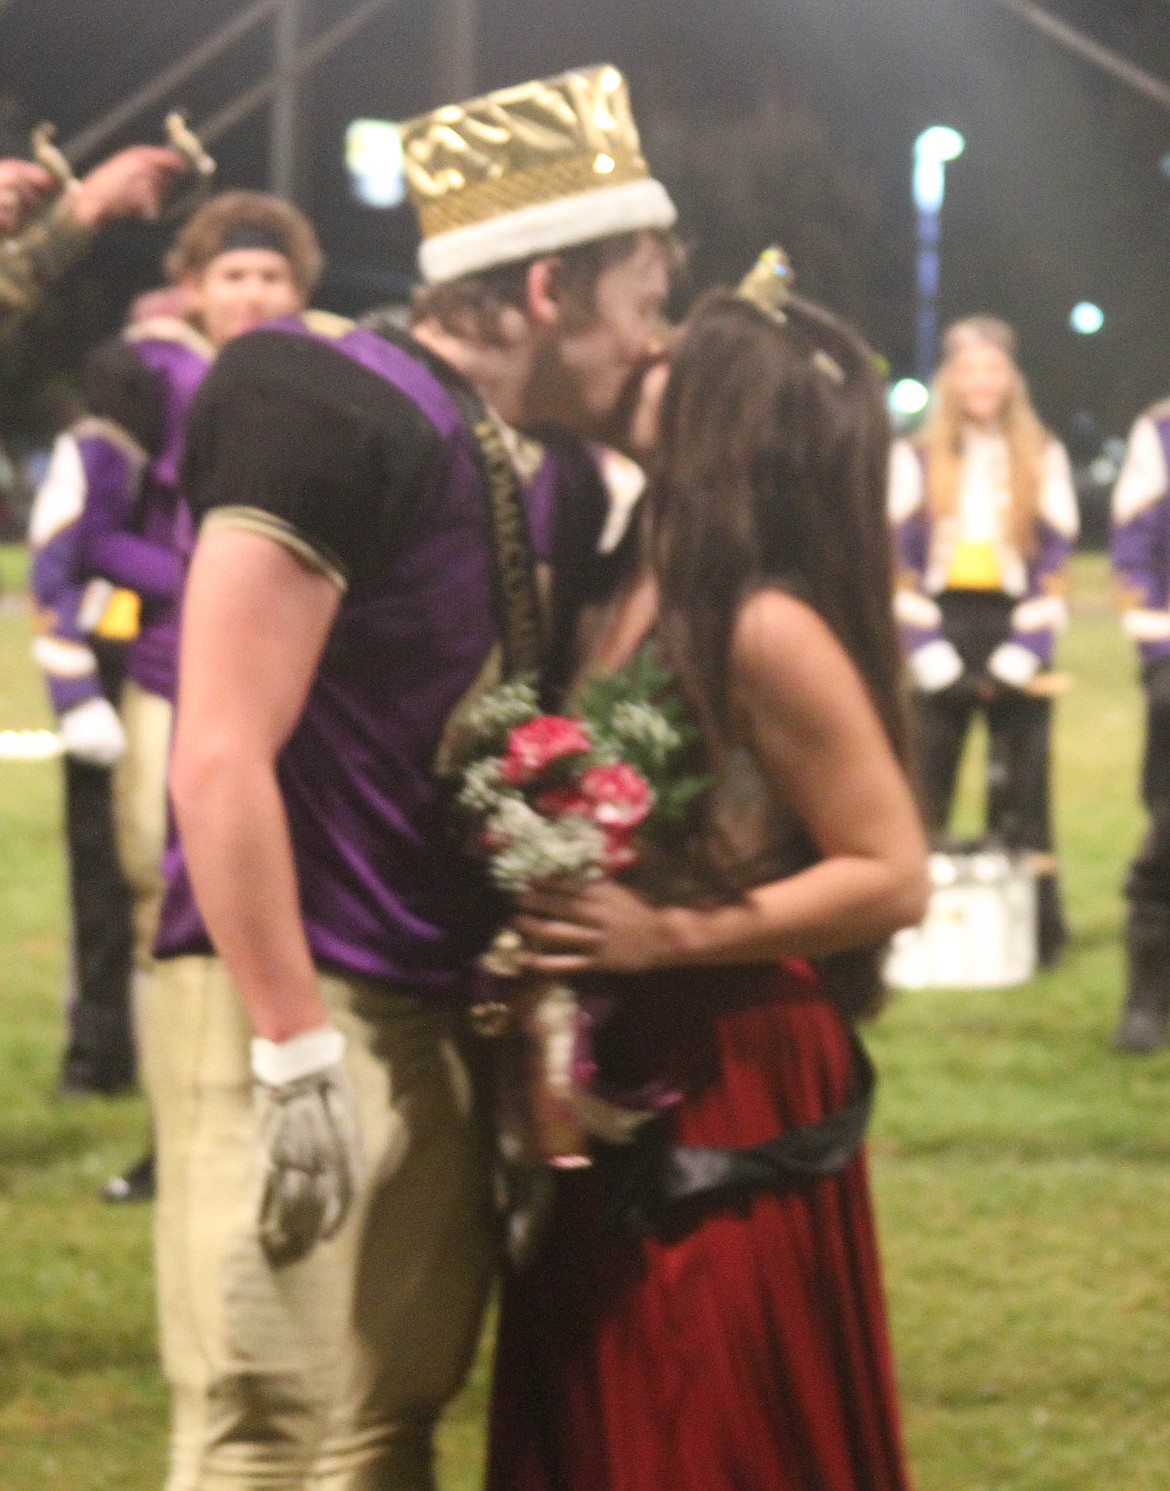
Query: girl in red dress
x,y
706,1310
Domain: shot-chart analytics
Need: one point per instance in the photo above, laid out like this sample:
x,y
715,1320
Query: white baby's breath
x,y
641,726
482,791
536,848
502,708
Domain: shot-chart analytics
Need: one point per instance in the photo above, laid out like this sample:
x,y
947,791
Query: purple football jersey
x,y
356,448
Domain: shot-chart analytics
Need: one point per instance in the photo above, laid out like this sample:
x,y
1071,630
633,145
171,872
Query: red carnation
x,y
619,852
561,802
621,796
533,747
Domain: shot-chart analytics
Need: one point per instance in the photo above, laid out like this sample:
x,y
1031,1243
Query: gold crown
x,y
530,149
768,283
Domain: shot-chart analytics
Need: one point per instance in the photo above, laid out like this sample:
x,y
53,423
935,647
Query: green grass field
x,y
1022,1173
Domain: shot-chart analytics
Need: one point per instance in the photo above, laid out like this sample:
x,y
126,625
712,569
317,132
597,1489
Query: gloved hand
x,y
935,666
310,1140
92,732
1014,665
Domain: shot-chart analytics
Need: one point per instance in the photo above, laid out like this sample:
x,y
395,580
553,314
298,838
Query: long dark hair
x,y
772,470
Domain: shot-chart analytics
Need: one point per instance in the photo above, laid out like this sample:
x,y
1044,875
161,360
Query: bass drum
x,y
979,931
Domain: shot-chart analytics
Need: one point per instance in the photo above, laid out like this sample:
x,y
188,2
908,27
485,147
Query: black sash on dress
x,y
653,1186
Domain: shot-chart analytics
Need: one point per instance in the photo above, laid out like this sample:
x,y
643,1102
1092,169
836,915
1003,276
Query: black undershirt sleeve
x,y
294,433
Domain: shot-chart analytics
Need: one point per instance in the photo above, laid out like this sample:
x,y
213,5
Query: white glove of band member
x,y
92,732
935,666
310,1140
1013,664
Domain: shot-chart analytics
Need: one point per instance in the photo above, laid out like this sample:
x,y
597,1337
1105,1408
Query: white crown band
x,y
546,228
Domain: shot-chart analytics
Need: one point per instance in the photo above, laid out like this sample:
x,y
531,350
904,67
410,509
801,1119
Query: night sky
x,y
1059,197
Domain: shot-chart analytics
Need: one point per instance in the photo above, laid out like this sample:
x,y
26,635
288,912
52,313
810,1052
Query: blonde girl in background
x,y
985,517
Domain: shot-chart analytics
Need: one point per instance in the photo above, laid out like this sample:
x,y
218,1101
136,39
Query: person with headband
x,y
111,538
1141,568
985,517
706,1308
380,540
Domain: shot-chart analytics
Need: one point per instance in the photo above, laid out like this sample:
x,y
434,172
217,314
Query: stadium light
x,y
908,398
934,149
1087,319
373,156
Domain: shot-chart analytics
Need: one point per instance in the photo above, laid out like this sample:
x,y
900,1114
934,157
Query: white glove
x,y
935,666
310,1140
1013,664
92,732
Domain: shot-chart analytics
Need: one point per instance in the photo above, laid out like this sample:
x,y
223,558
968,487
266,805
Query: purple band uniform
x,y
111,511
924,550
143,541
1140,545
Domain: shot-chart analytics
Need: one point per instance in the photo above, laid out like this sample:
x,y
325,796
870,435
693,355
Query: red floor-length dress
x,y
746,1352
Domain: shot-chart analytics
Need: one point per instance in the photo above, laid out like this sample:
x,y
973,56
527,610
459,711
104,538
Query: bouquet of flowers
x,y
573,796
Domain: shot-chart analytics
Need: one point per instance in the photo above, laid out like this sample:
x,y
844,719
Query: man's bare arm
x,y
255,621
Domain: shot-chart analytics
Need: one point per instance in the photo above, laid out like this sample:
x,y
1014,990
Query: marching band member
x,y
121,534
1141,566
83,668
242,259
985,515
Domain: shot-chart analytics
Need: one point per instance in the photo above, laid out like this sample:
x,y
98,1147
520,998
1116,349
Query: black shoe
x,y
136,1185
73,1086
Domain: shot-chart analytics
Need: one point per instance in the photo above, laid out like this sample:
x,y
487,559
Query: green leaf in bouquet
x,y
637,715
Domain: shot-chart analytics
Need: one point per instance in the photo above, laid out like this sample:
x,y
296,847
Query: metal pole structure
x,y
929,278
216,125
286,152
456,42
88,140
1089,50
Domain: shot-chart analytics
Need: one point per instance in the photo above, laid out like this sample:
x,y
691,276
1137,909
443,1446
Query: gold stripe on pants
x,y
328,1373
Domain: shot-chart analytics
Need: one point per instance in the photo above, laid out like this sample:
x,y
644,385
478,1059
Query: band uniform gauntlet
x,y
92,732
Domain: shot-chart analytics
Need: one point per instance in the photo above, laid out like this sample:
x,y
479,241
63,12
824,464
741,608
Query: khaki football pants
x,y
328,1373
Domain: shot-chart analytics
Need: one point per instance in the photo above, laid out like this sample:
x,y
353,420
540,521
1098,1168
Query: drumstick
x,y
184,139
49,155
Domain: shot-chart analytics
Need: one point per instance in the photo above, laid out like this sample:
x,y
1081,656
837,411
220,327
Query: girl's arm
x,y
804,709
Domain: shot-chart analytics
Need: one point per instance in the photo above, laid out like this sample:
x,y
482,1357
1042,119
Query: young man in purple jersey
x,y
325,1228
